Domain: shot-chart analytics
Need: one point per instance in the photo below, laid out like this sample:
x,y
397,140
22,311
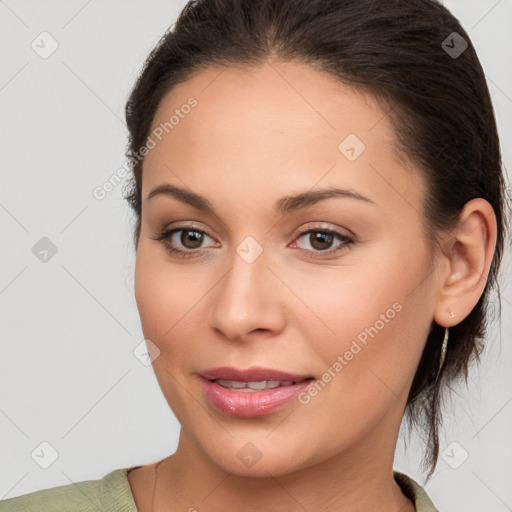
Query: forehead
x,y
283,124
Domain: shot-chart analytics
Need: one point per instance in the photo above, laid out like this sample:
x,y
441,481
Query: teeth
x,y
256,386
231,384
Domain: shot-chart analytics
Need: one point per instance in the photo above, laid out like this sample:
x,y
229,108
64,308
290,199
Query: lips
x,y
252,392
253,374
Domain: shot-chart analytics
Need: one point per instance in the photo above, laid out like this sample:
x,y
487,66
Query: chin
x,y
256,459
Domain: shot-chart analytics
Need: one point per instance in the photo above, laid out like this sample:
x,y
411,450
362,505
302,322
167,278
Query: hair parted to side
x,y
440,109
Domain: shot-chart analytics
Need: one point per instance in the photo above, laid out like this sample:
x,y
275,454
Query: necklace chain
x,y
154,485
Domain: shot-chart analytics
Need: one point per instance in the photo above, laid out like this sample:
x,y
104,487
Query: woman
x,y
319,202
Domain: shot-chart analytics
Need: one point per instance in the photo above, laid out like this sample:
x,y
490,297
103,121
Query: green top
x,y
113,493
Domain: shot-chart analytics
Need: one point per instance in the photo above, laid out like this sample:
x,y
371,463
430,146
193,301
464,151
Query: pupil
x,y
325,238
191,236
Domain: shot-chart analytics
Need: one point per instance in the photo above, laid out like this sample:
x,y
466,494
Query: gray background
x,y
69,325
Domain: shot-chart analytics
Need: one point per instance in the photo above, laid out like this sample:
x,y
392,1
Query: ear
x,y
467,256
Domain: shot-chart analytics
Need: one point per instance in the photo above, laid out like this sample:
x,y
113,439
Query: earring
x,y
443,352
444,348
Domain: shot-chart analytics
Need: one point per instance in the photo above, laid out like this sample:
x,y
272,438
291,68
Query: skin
x,y
256,135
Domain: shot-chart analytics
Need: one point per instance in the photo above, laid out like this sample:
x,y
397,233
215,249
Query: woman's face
x,y
350,310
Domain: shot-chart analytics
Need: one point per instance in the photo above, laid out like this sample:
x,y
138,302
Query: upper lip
x,y
253,374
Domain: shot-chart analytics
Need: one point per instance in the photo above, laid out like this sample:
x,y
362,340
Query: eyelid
x,y
184,225
326,227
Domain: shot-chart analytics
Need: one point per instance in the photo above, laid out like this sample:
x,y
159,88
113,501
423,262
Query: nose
x,y
249,299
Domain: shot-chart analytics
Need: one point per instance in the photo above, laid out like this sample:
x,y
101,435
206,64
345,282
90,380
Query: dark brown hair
x,y
397,50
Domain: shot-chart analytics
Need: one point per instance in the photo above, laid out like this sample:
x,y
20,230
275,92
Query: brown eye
x,y
320,240
183,241
191,239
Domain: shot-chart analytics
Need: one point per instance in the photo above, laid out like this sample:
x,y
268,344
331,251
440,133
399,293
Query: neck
x,y
356,479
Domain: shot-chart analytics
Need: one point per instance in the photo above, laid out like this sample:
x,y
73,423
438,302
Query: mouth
x,y
253,392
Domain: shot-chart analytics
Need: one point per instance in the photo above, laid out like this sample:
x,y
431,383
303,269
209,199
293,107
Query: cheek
x,y
336,304
168,298
160,294
370,360
148,289
366,315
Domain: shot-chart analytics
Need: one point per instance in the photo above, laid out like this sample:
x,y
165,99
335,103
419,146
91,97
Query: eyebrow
x,y
283,205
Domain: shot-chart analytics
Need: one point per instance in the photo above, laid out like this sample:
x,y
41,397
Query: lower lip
x,y
251,403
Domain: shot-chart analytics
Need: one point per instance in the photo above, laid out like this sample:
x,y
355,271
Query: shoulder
x,y
112,492
415,492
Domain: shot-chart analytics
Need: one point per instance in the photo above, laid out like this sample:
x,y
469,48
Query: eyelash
x,y
165,235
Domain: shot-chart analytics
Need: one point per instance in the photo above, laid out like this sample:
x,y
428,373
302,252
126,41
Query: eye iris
x,y
323,238
191,236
